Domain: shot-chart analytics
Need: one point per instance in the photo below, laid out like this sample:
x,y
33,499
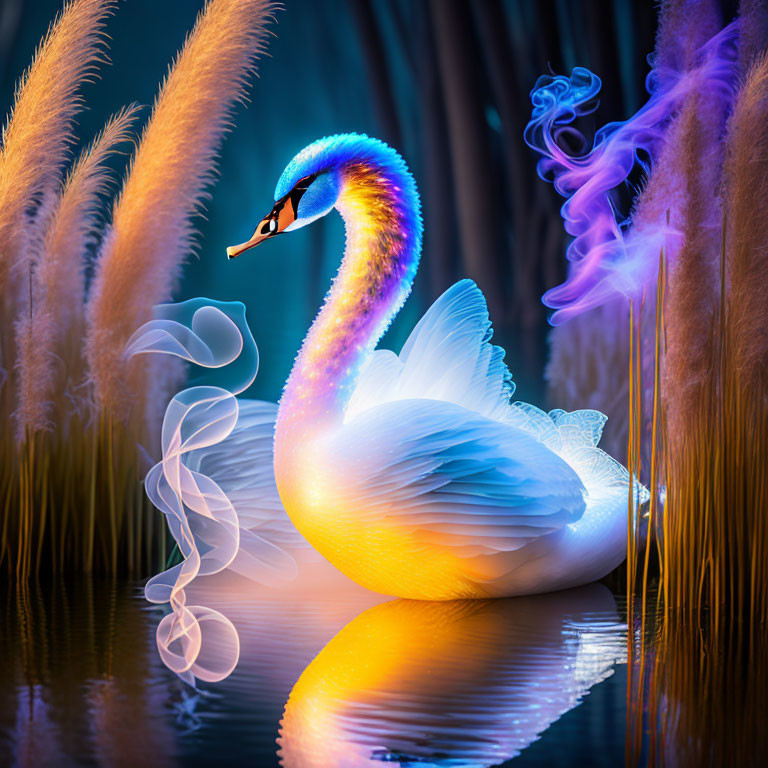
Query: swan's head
x,y
311,183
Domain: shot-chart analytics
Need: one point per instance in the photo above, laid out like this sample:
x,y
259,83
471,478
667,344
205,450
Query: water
x,y
333,676
327,677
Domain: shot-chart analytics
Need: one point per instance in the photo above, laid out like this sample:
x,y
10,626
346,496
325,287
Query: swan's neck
x,y
383,229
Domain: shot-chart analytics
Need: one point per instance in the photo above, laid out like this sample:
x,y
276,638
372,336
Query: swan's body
x,y
414,474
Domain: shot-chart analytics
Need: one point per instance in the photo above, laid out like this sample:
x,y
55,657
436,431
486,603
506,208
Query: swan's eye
x,y
270,227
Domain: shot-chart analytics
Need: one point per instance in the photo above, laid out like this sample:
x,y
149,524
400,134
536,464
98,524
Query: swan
x,y
414,474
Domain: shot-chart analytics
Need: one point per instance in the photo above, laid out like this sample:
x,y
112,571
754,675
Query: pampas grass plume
x,y
152,232
693,292
753,31
70,466
39,131
57,284
746,183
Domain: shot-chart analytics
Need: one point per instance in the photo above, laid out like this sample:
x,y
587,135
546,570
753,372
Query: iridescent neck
x,y
380,208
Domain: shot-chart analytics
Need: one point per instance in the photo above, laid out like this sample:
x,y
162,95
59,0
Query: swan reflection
x,y
461,683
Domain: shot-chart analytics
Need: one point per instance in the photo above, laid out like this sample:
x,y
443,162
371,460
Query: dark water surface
x,y
332,676
326,678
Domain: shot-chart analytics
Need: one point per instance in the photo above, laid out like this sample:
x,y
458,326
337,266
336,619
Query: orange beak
x,y
280,217
235,250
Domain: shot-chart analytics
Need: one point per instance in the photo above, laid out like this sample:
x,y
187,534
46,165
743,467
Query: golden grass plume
x,y
693,293
746,181
71,496
57,283
152,231
39,131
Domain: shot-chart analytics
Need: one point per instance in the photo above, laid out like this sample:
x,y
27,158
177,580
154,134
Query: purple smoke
x,y
606,257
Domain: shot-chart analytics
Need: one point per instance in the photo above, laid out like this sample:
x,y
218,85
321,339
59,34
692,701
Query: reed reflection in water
x,y
81,681
698,693
81,678
369,679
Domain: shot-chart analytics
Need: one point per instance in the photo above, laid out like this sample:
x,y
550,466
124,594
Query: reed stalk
x,y
713,552
704,655
71,465
699,664
80,504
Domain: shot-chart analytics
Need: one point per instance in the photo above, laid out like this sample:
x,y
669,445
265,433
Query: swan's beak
x,y
279,218
258,237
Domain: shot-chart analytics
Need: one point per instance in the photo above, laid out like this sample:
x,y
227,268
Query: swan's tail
x,y
575,436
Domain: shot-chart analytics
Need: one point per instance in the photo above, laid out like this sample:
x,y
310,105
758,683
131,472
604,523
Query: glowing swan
x,y
413,474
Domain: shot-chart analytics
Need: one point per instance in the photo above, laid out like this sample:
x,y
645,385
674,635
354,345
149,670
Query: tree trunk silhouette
x,y
474,190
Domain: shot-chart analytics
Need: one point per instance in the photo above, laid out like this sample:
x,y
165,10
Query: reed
x,y
79,504
34,150
684,25
140,261
57,288
79,421
715,549
696,646
694,348
700,662
696,693
691,300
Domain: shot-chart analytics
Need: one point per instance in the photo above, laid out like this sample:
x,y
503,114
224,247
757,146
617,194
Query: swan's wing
x,y
242,466
447,357
451,476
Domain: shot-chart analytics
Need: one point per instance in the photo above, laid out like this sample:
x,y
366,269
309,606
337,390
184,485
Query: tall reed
x,y
45,333
141,259
697,694
715,542
80,677
697,391
34,152
697,651
75,415
700,664
695,368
